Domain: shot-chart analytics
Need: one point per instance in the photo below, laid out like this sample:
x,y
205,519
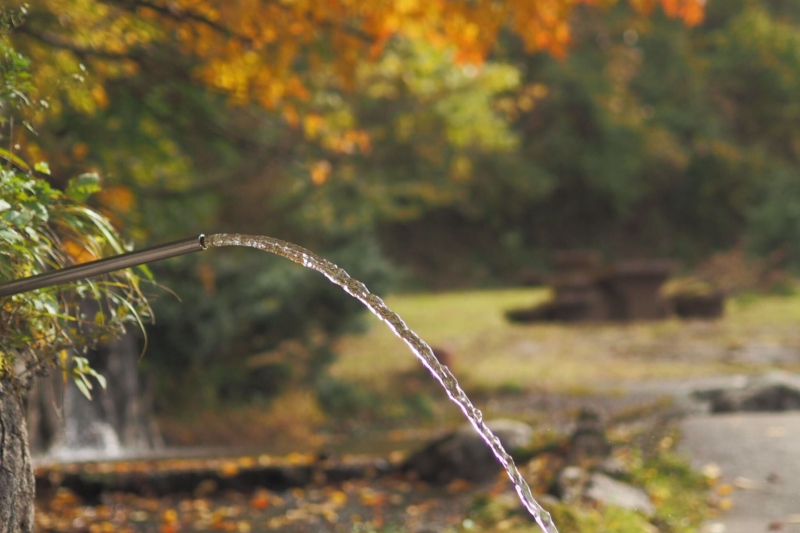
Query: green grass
x,y
491,353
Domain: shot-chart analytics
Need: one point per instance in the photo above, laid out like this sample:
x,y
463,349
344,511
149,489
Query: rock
x,y
573,484
607,491
588,440
698,305
463,454
570,483
774,391
614,467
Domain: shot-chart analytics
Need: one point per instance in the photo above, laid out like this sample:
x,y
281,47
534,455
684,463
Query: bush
x,y
775,222
41,229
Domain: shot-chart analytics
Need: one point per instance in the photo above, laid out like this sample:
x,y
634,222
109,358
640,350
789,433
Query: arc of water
x,y
418,346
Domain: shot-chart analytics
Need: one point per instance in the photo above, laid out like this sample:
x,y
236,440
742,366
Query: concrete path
x,y
758,453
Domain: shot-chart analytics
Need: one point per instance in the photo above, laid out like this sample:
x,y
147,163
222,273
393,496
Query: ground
x,y
760,474
541,374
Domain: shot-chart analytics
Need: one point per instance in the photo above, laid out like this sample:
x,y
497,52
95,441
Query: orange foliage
x,y
119,199
278,53
265,50
77,252
252,49
690,11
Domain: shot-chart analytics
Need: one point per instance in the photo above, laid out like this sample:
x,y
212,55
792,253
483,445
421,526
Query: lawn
x,y
489,352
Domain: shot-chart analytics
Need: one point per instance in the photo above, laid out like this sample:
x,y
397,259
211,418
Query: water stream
x,y
420,348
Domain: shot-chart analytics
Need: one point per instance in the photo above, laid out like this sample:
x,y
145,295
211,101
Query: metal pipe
x,y
104,266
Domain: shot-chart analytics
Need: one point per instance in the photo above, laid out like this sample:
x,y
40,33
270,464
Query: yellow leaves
x,y
80,151
350,142
334,133
95,25
269,35
470,33
228,469
311,125
99,95
297,89
461,169
725,504
406,7
371,498
119,199
100,34
105,527
543,25
524,100
338,498
169,516
260,499
725,489
299,458
539,90
711,472
320,172
77,252
291,116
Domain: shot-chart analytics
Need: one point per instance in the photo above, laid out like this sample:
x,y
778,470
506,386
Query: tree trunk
x,y
45,422
16,472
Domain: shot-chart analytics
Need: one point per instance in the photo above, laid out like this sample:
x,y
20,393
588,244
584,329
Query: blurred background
x,y
444,154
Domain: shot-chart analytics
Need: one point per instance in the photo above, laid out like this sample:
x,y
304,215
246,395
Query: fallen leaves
x,y
373,503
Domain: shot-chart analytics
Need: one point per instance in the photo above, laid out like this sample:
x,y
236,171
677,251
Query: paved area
x,y
757,453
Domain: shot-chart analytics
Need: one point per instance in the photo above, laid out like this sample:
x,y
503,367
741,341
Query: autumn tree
x,y
279,54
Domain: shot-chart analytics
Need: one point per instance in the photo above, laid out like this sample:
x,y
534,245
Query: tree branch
x,y
183,15
55,40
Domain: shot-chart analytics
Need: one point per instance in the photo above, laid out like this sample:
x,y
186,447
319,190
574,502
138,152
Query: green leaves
x,y
11,237
81,372
43,167
42,228
14,159
82,187
14,76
